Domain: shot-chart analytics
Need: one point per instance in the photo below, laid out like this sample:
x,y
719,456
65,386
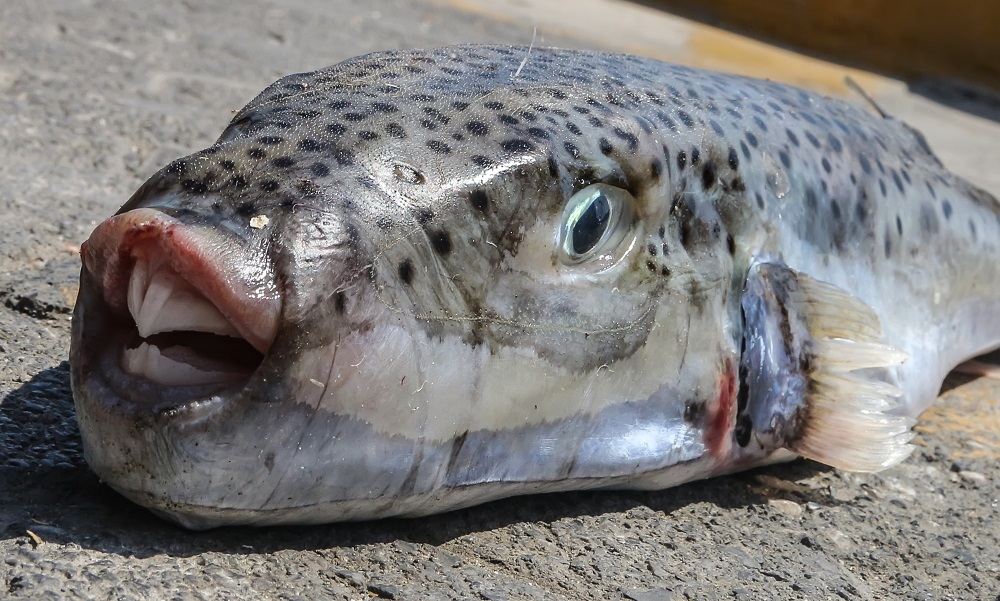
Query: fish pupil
x,y
590,227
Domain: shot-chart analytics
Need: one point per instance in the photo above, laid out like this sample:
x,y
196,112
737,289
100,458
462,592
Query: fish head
x,y
410,283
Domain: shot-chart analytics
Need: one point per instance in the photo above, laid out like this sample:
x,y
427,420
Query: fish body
x,y
420,280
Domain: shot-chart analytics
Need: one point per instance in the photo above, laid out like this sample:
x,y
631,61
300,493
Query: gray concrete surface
x,y
97,94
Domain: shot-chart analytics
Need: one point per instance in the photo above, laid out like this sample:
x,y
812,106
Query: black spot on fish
x,y
479,200
730,244
194,186
538,132
628,137
785,159
384,107
606,147
929,223
835,143
651,249
751,139
826,165
424,215
681,160
367,135
269,185
441,242
745,150
655,169
309,145
395,130
708,177
760,200
835,209
571,149
439,146
477,128
896,180
320,169
693,410
517,145
899,225
881,187
686,119
270,140
283,162
734,159
946,209
405,271
340,302
744,429
481,161
256,153
227,165
791,136
553,166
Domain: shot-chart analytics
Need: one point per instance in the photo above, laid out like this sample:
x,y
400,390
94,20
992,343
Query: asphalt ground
x,y
97,95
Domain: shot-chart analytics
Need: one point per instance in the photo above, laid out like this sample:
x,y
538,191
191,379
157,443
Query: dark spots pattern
x,y
681,160
571,149
424,215
256,153
367,135
685,119
517,145
538,133
695,157
405,271
751,139
477,128
441,242
606,147
734,159
628,137
340,302
708,177
227,165
655,169
439,146
812,139
826,165
791,136
946,209
320,169
395,130
270,140
745,150
336,129
785,159
269,186
309,145
479,201
194,186
283,162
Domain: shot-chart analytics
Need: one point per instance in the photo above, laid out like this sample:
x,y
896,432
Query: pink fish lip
x,y
183,310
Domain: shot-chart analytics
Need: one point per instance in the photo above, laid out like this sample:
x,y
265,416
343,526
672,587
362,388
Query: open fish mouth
x,y
183,311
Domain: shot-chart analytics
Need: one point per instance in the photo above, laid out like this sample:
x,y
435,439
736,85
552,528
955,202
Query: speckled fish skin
x,y
430,350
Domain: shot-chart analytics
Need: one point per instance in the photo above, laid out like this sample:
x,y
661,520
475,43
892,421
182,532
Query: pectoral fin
x,y
813,373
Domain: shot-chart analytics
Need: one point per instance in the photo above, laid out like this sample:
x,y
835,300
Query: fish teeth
x,y
150,362
166,302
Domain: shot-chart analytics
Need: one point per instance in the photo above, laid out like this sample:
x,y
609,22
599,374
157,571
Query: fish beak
x,y
190,305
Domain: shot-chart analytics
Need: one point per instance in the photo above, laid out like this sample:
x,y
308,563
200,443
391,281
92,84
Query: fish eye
x,y
594,221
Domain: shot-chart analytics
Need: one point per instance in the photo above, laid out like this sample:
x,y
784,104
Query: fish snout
x,y
188,305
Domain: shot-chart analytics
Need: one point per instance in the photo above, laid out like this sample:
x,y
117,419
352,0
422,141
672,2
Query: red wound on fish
x,y
720,423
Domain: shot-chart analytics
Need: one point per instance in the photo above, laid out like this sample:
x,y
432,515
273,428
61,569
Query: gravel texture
x,y
96,95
